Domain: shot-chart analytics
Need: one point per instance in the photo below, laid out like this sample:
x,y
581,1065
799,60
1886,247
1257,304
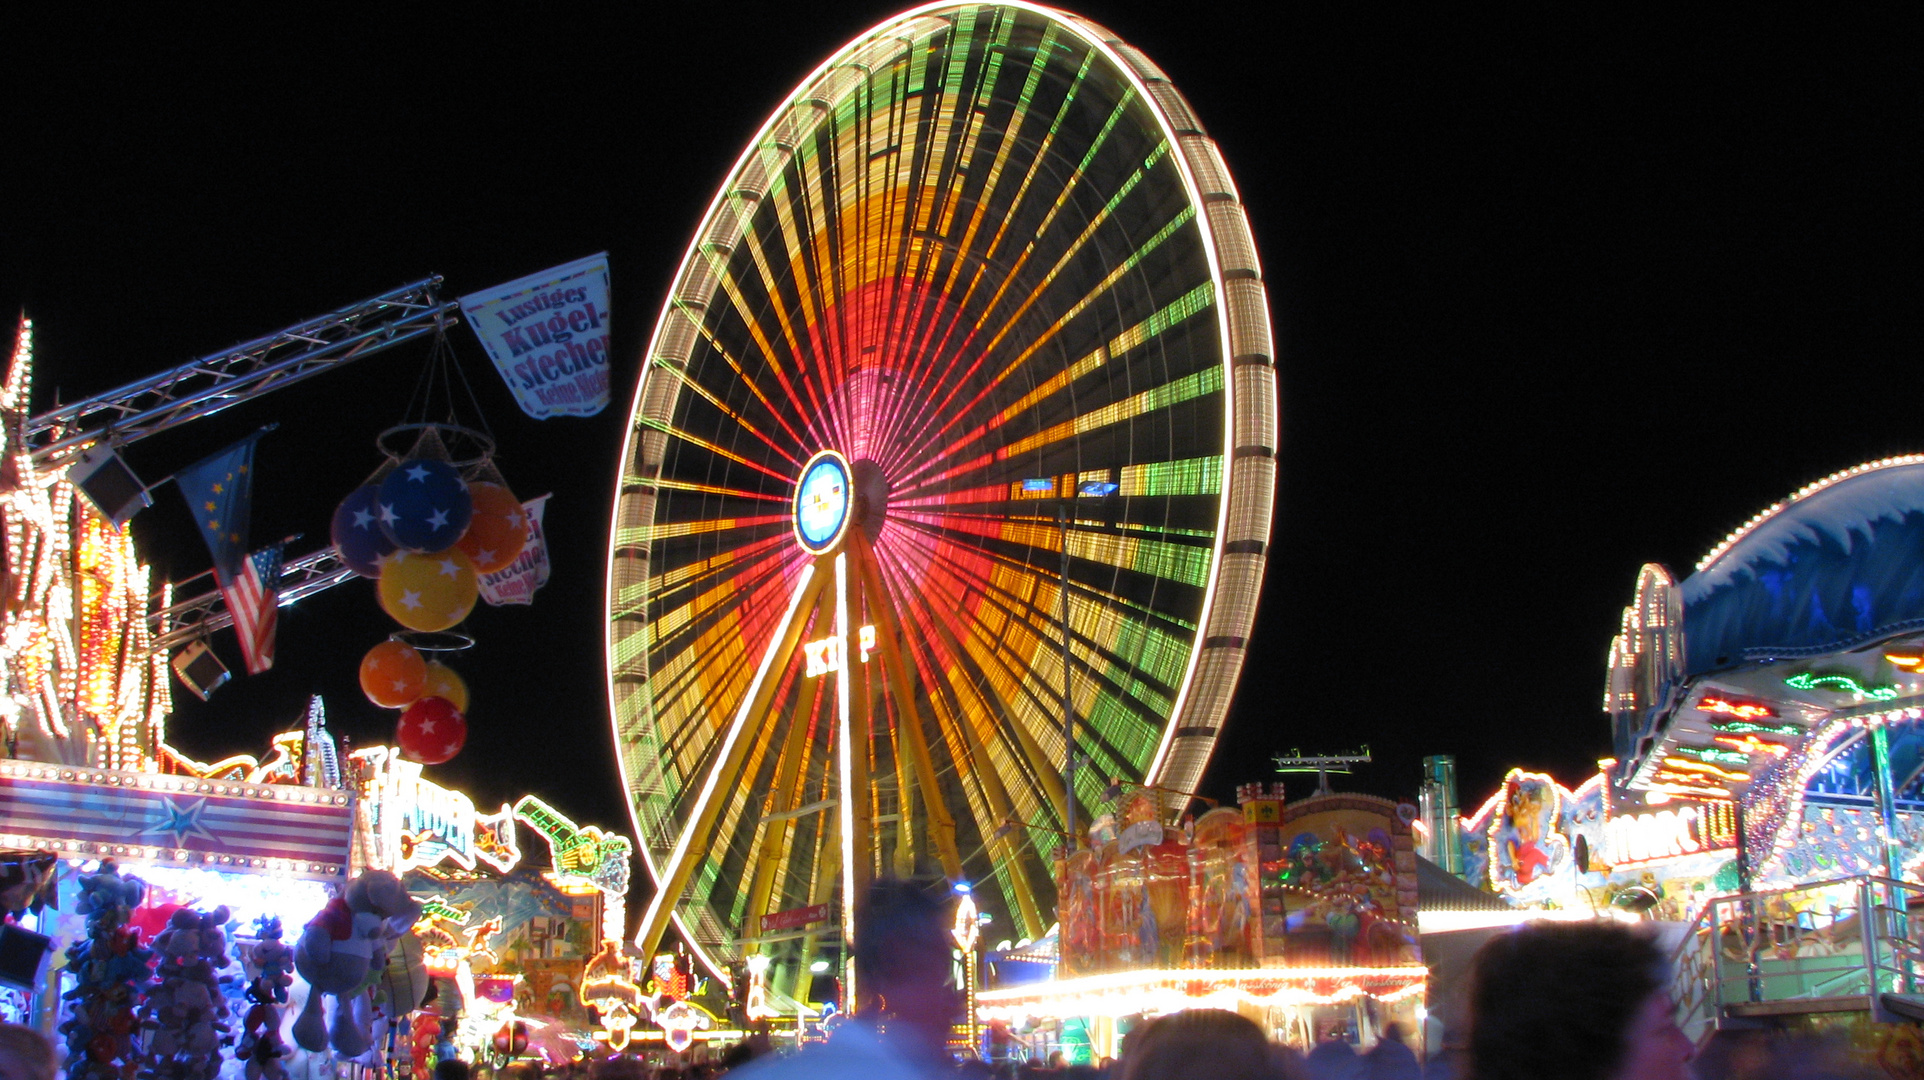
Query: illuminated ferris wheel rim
x,y
1247,432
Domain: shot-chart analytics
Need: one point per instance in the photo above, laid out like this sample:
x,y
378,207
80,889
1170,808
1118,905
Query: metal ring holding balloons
x,y
434,641
482,442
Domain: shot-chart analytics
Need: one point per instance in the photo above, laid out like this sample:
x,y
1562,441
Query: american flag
x,y
253,597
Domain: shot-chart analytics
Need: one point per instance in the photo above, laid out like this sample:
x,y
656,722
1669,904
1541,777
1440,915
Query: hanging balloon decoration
x,y
443,683
393,674
429,592
424,505
498,530
425,526
431,731
357,533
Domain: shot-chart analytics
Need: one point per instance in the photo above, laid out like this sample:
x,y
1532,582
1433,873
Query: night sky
x,y
1554,297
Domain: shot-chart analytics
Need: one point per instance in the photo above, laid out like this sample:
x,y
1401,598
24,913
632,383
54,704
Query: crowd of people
x,y
1570,1001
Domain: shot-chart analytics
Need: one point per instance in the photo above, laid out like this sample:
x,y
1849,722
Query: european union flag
x,y
218,490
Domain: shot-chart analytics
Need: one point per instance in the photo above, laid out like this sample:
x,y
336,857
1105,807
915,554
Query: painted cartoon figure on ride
x,y
1526,844
1081,937
1342,891
1221,887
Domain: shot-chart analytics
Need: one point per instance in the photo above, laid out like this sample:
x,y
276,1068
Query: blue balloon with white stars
x,y
424,505
357,532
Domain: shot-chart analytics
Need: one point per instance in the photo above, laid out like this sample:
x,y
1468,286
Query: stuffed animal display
x,y
183,1017
110,967
341,952
270,965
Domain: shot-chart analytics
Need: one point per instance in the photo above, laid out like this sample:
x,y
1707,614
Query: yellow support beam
x,y
902,684
693,844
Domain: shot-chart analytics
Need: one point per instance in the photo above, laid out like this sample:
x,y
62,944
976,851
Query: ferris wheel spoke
x,y
720,348
1013,319
1020,715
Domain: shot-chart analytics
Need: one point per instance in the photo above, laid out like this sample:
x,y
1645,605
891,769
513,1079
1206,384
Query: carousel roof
x,y
1835,565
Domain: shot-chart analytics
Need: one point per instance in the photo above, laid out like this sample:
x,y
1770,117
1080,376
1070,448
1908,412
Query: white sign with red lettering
x,y
517,584
548,335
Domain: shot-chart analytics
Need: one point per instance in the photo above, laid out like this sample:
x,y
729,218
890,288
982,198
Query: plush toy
x,y
341,952
184,1013
269,967
109,967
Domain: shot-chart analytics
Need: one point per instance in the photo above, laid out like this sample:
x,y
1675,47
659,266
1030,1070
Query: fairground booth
x,y
303,910
1767,794
1300,915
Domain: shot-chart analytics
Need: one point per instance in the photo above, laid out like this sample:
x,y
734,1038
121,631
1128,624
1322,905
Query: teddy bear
x,y
184,1010
109,967
341,952
269,966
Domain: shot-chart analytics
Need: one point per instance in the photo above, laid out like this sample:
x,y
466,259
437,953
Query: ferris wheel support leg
x,y
1047,775
692,847
857,813
775,837
909,719
1000,808
828,856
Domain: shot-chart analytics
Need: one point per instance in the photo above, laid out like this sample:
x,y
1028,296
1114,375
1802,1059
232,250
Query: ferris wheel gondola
x,y
979,295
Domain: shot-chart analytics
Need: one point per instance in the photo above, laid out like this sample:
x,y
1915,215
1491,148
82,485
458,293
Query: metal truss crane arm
x,y
201,615
228,378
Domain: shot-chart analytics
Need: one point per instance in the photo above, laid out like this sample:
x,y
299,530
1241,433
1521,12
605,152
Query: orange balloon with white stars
x,y
428,592
497,531
393,674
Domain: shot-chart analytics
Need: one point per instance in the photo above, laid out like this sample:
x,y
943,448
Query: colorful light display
x,y
1841,683
417,822
898,404
1128,993
1742,710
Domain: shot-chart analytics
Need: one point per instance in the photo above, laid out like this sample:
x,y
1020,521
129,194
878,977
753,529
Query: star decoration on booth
x,y
410,600
418,474
180,820
427,725
450,568
363,519
388,516
438,519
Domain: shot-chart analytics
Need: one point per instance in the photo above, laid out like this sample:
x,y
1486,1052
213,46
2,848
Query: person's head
x,y
450,1069
619,1067
1582,1001
25,1054
903,963
1204,1044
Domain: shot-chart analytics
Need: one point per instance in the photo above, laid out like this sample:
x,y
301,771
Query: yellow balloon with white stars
x,y
428,592
442,682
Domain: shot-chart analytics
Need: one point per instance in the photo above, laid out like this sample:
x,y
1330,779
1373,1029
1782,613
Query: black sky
x,y
1555,295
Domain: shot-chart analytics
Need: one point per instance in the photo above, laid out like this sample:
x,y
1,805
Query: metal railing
x,y
1820,946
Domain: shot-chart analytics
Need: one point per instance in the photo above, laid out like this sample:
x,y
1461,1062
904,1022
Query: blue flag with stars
x,y
218,490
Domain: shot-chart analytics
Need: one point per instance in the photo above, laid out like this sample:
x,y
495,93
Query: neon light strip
x,y
845,764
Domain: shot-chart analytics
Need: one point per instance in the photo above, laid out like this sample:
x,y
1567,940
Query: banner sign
x,y
417,822
176,820
794,918
548,336
517,584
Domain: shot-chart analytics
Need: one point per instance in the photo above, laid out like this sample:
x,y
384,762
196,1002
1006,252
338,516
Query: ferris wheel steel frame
x,y
1236,556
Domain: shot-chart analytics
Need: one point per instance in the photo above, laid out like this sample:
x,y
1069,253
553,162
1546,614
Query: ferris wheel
x,y
976,312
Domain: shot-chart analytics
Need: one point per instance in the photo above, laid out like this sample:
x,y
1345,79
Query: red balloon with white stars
x,y
431,731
